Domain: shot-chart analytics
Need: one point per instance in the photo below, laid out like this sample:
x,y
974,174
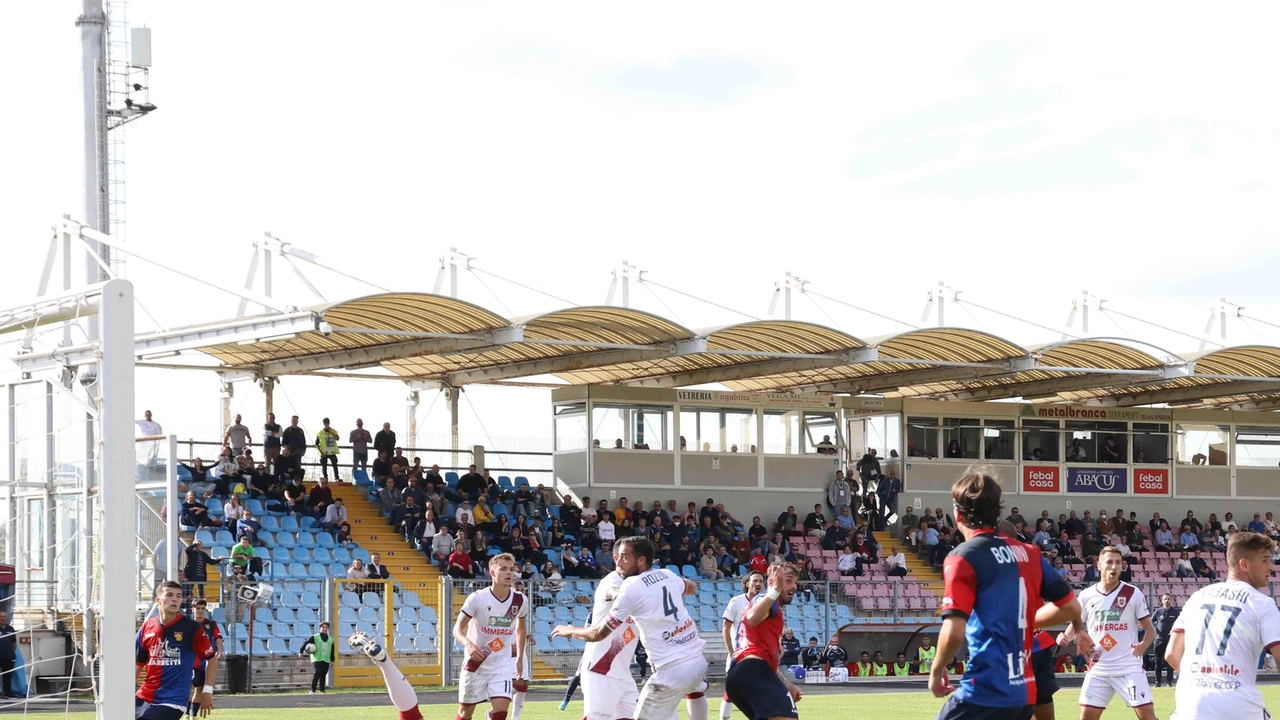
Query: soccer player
x,y
754,683
995,588
523,676
1113,611
402,693
608,690
491,621
1044,660
1220,634
169,645
835,657
214,633
731,627
653,598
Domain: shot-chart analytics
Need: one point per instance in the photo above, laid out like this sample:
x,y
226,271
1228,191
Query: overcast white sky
x,y
873,149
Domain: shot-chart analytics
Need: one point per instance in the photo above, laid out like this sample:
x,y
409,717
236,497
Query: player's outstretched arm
x,y
950,637
591,633
1177,645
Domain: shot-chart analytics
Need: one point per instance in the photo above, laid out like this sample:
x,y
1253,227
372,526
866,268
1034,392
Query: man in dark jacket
x,y
8,655
472,485
790,648
1163,619
811,657
295,439
385,440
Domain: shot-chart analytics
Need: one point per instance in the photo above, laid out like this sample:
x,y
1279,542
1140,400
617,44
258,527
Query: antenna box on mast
x,y
140,47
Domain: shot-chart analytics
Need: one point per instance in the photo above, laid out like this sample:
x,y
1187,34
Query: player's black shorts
x,y
197,676
146,711
1043,662
956,710
758,691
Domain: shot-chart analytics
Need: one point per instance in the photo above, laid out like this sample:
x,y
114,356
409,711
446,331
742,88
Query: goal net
x,y
74,496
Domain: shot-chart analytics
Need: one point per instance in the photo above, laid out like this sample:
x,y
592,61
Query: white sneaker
x,y
364,643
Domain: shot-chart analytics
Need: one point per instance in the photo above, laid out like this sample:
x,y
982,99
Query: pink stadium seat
x,y
880,590
883,603
911,590
867,603
931,602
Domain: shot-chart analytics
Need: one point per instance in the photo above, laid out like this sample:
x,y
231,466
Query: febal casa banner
x,y
1097,480
1151,481
1041,479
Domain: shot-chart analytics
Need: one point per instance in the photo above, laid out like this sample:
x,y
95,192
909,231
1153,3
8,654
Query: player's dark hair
x,y
977,497
747,579
1246,543
640,546
166,585
200,603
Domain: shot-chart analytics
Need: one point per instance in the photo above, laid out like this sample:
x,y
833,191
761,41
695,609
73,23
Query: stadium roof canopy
x,y
433,338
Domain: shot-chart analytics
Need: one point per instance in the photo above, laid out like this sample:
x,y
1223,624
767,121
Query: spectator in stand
x,y
1228,522
834,656
472,485
377,571
1182,567
327,445
945,522
657,511
344,537
1211,540
815,523
849,564
757,533
194,513
382,469
334,516
1076,452
758,562
232,511
839,494
889,489
248,528
1188,540
357,571
1060,568
606,531
811,657
1074,526
271,434
1015,517
442,546
787,521
778,545
1192,521
895,565
320,497
1200,567
236,437
1109,452
385,440
459,565
196,571
868,466
295,439
287,463
8,657
295,497
1042,538
199,482
1257,526
726,562
1062,545
934,547
242,553
359,439
708,567
407,517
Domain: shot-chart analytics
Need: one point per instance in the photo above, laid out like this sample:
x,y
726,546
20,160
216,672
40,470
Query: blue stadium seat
x,y
325,540
307,614
689,572
271,524
542,627
562,615
297,571
205,537
350,599
580,614
264,615
323,555
504,483
284,613
281,555
219,615
368,614
426,613
362,554
319,570
424,644
260,648
337,569
371,599
306,522
407,614
281,630
427,629
365,627
261,629
295,644
403,644
347,615
561,644
301,629
361,477
285,540
306,540
342,555
301,555
313,586
223,537
451,479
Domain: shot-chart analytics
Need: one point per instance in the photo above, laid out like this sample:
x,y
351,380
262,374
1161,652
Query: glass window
x,y
740,430
1085,440
882,433
35,534
571,427
999,440
961,437
1257,445
609,426
922,437
782,432
822,433
1040,440
1151,443
1202,444
700,430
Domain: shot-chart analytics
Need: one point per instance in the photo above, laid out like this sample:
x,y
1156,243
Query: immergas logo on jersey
x,y
1097,480
1151,481
1041,479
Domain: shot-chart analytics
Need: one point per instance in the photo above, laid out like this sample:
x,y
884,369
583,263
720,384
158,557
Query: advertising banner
x,y
1151,481
1097,480
1041,479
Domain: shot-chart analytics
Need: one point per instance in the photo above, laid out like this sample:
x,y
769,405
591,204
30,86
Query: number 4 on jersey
x,y
668,607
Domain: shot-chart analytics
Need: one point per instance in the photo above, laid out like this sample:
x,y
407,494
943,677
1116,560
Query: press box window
x,y
571,427
1040,440
782,432
1084,438
961,437
922,437
1203,444
999,439
1257,446
1150,443
718,430
822,433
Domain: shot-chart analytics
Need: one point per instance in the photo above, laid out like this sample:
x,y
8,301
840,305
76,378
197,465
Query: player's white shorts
x,y
661,696
1097,690
475,688
608,698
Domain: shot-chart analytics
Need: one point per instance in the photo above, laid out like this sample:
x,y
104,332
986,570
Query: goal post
x,y
116,498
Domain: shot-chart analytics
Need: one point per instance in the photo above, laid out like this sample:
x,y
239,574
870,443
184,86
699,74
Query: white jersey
x,y
733,612
1225,627
655,601
1113,622
493,628
611,656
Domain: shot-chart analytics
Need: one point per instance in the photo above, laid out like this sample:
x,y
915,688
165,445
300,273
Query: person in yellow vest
x,y
320,648
902,668
925,654
958,666
327,445
878,666
1068,666
862,668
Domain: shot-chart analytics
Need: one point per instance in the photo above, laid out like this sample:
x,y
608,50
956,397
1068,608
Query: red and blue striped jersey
x,y
170,654
998,584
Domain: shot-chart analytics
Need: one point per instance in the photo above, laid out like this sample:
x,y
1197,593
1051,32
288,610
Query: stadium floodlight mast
x,y
782,289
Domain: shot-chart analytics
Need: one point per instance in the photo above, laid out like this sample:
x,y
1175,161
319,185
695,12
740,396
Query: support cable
x,y
702,300
1162,327
1019,319
494,294
862,309
660,301
522,285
